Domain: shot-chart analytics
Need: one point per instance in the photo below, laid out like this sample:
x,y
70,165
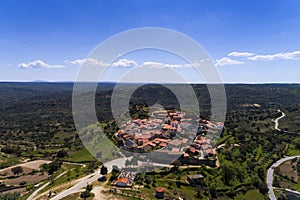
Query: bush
x,y
29,187
23,183
85,194
62,154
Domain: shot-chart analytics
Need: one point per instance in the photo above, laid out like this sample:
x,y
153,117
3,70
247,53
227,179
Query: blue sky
x,y
250,41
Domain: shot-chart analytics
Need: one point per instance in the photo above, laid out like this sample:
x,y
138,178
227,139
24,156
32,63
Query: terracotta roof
x,y
166,126
192,149
126,136
186,155
159,189
161,140
163,144
142,136
149,143
123,180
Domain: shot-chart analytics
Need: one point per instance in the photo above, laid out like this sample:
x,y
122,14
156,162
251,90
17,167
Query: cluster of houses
x,y
169,131
148,134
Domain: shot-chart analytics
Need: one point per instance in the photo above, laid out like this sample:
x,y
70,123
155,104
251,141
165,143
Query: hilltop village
x,y
171,131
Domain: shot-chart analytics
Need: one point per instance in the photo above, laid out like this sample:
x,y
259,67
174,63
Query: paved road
x,y
120,162
270,171
270,175
40,188
277,119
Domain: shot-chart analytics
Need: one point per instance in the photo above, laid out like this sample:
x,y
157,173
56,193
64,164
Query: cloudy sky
x,y
249,41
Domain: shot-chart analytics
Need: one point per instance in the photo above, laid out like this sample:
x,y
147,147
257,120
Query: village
x,y
173,132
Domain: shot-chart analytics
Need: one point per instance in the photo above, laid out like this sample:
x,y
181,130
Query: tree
x,y
62,153
229,172
17,170
263,187
170,184
261,173
103,170
92,165
178,183
115,168
154,181
86,194
53,166
147,180
127,162
89,187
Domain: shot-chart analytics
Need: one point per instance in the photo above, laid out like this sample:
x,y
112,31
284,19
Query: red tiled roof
x,y
166,126
159,189
192,149
142,136
149,143
123,180
163,144
161,140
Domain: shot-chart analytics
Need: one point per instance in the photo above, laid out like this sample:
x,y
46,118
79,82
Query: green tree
x,y
261,173
62,153
229,172
263,187
103,170
17,170
147,180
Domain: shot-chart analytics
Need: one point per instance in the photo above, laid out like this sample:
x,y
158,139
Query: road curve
x,y
32,196
277,119
120,162
270,175
270,171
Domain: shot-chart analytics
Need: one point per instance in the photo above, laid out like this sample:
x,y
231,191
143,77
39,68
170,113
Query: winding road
x,y
121,163
90,178
270,171
277,119
31,197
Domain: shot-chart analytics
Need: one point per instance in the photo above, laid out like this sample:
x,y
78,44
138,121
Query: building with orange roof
x,y
160,193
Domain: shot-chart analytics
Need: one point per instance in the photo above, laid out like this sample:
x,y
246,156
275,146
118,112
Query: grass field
x,y
251,194
81,156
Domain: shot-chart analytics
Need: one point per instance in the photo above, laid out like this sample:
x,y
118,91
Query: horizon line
x,y
114,82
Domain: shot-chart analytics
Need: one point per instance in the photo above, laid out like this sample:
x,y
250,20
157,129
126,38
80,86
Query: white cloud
x,y
91,61
240,54
163,65
38,64
86,61
294,55
228,61
124,63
